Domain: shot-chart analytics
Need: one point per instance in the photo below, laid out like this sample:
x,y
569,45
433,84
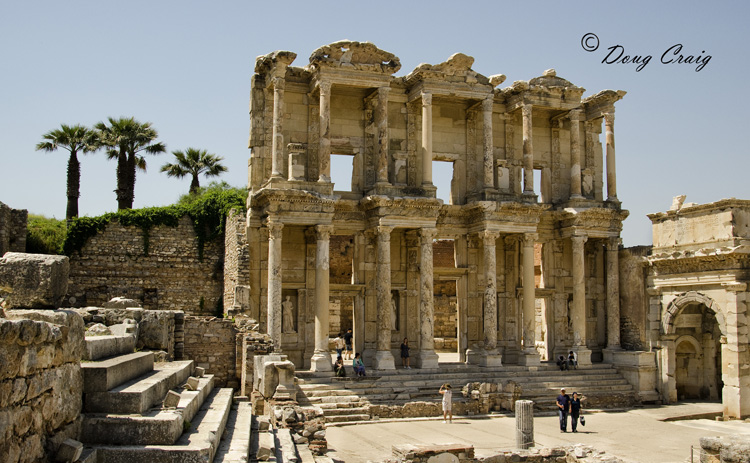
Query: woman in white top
x,y
445,390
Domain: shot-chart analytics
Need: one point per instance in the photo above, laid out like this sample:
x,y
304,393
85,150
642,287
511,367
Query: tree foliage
x,y
194,162
44,235
126,139
73,139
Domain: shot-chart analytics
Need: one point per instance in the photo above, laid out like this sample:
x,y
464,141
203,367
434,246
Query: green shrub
x,y
208,211
44,235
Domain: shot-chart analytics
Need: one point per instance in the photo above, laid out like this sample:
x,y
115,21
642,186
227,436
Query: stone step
x,y
198,444
235,445
137,396
99,347
157,427
347,418
328,412
103,375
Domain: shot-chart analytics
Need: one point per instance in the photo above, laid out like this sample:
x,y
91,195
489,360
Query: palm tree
x,y
194,162
125,138
73,139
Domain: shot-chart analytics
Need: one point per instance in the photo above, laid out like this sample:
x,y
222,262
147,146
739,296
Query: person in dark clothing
x,y
563,407
405,354
575,410
348,340
572,360
562,363
339,368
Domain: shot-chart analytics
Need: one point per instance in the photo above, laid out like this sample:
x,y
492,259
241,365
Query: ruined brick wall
x,y
442,254
342,255
236,256
171,277
41,383
12,229
210,343
633,297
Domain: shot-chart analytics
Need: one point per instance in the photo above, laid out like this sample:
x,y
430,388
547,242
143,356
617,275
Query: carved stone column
x,y
426,138
488,142
383,356
274,283
529,356
427,356
735,354
609,125
383,140
579,301
324,142
528,151
613,298
321,359
575,154
491,355
277,143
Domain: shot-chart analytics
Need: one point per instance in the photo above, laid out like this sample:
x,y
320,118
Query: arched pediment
x,y
684,299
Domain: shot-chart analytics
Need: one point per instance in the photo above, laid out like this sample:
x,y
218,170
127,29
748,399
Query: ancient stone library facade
x,y
533,174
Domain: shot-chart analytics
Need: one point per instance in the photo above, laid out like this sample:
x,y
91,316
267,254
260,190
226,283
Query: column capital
x,y
488,237
613,243
530,238
526,110
274,228
609,118
578,240
325,87
575,115
427,234
278,82
384,91
384,232
489,102
323,232
426,98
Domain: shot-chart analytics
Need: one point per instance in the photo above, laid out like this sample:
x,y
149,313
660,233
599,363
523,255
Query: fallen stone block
x,y
121,303
171,400
70,450
200,371
36,281
192,383
266,447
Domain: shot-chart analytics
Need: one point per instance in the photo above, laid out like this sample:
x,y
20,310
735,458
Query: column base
x,y
321,361
428,359
583,354
491,358
529,197
529,358
383,360
473,356
610,352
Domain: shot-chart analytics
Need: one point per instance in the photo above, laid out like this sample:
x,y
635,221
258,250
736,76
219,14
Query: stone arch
x,y
690,340
679,302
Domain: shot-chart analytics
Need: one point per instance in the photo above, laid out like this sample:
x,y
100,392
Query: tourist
x,y
445,390
563,407
572,360
348,340
562,363
575,410
405,354
339,344
339,367
359,366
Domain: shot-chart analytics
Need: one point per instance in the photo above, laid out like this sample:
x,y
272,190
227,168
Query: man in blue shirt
x,y
563,406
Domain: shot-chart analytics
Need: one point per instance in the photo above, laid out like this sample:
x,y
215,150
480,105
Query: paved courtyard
x,y
638,435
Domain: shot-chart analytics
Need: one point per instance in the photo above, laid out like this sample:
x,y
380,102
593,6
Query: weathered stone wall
x,y
633,297
12,229
210,343
170,276
236,256
40,383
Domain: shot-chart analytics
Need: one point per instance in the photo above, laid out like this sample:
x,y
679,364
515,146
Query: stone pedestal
x,y
583,354
529,357
383,360
639,369
524,424
428,359
491,358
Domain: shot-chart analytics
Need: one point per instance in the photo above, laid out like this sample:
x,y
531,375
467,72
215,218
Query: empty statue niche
x,y
697,354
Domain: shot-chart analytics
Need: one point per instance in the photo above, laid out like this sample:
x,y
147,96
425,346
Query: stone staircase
x,y
136,410
348,399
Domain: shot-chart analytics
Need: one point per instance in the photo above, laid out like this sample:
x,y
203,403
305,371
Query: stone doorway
x,y
697,354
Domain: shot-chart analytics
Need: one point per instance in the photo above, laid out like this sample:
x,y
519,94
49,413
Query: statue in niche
x,y
287,315
394,314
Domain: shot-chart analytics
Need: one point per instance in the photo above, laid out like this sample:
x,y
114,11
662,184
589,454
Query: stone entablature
x,y
347,102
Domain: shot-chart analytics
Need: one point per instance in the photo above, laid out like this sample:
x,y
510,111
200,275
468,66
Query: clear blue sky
x,y
185,66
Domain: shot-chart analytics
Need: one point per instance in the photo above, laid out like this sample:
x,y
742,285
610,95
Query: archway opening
x,y
697,354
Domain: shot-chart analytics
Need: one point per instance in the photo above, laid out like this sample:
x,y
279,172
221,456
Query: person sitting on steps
x,y
572,360
359,366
